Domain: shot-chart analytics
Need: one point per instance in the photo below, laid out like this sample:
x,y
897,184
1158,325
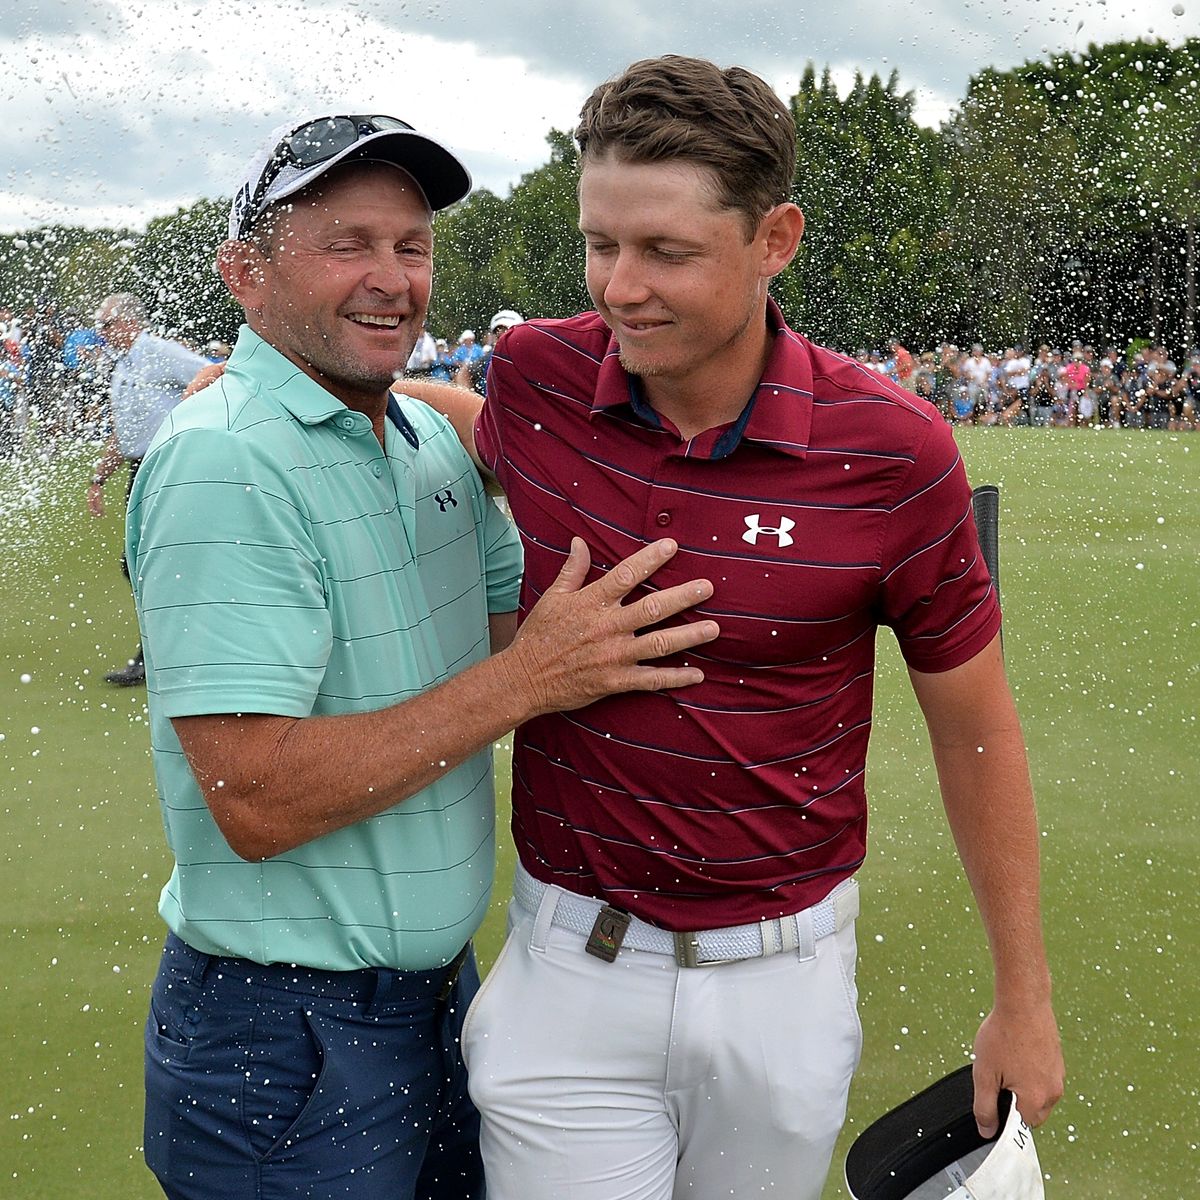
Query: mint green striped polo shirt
x,y
283,562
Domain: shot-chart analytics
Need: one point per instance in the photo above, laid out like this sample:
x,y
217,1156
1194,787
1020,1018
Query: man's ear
x,y
781,231
240,265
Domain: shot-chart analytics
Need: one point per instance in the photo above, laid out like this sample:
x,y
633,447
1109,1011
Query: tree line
x,y
1059,200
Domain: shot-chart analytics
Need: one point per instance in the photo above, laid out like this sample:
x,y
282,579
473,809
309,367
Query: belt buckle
x,y
608,933
687,952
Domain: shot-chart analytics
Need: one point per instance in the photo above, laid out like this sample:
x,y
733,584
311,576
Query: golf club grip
x,y
985,503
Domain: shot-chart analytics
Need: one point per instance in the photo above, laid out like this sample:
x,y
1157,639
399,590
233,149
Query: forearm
x,y
287,781
984,778
273,782
110,462
983,773
989,804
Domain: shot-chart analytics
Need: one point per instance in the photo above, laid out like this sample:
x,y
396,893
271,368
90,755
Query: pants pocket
x,y
348,1096
173,1018
285,1075
847,945
194,1063
477,1001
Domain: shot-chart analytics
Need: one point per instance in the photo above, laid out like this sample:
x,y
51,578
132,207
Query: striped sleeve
x,y
503,559
228,582
487,433
936,592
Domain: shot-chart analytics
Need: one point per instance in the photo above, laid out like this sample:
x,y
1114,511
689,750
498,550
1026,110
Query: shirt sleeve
x,y
181,364
503,558
487,430
937,594
228,581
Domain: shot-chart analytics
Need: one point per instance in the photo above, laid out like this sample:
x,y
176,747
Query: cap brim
x,y
929,1148
439,174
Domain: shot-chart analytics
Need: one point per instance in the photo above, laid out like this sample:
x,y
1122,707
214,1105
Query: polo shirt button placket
x,y
663,518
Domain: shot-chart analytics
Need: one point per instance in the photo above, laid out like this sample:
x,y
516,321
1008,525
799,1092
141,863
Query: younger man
x,y
674,1011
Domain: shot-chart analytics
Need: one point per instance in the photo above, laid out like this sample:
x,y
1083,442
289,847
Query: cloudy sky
x,y
115,111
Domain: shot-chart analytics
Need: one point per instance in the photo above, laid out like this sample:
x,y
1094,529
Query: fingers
x,y
1036,1090
662,679
204,377
669,602
1036,1097
579,643
1038,1112
660,643
637,568
987,1115
612,587
574,570
987,1096
631,572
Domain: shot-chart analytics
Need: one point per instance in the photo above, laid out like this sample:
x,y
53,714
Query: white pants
x,y
642,1080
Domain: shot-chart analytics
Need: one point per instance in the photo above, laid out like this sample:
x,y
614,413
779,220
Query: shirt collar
x,y
401,422
301,395
777,415
264,367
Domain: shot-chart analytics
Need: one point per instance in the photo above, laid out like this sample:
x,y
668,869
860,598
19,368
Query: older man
x,y
320,578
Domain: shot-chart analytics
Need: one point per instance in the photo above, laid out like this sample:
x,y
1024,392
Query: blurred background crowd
x,y
55,364
1138,386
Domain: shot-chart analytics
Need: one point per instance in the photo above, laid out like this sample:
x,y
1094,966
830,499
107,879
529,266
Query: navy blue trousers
x,y
266,1083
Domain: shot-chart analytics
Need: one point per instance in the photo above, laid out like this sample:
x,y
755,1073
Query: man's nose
x,y
626,282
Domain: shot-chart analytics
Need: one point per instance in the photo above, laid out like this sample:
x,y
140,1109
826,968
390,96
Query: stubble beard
x,y
639,369
343,370
651,370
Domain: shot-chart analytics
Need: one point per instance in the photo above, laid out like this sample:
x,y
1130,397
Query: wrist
x,y
514,686
1028,991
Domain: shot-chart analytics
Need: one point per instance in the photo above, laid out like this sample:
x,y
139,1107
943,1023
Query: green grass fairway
x,y
1100,539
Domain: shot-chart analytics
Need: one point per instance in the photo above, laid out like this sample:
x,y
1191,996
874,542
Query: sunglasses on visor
x,y
309,145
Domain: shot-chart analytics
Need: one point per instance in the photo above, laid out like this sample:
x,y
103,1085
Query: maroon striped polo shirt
x,y
837,502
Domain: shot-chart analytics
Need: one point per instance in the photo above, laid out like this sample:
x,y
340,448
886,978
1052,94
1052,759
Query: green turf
x,y
1100,534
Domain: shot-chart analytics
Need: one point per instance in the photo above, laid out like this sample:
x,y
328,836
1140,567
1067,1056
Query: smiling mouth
x,y
643,326
375,320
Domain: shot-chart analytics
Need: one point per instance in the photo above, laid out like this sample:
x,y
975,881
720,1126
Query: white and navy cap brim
x,y
440,174
929,1148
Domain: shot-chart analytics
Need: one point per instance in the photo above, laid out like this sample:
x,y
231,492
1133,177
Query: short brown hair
x,y
674,107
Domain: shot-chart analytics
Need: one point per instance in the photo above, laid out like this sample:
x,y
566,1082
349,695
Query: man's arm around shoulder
x,y
274,783
984,778
460,406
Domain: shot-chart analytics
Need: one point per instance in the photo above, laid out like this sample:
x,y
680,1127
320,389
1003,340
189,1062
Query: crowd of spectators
x,y
465,362
54,373
55,363
1140,387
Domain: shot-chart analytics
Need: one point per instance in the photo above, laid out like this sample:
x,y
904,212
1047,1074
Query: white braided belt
x,y
707,947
